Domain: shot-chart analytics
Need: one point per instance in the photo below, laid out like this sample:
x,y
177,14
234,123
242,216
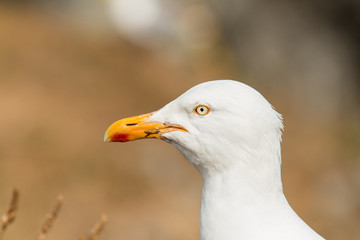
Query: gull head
x,y
216,125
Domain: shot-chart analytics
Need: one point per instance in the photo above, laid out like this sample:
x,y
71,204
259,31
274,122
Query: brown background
x,y
64,79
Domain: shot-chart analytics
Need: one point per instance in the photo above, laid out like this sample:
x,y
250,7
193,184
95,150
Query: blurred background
x,y
69,68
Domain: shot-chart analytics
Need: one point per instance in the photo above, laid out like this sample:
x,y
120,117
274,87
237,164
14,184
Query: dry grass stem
x,y
10,215
96,229
50,219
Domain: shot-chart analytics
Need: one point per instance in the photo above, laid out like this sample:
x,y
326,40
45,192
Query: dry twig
x,y
95,230
50,219
10,215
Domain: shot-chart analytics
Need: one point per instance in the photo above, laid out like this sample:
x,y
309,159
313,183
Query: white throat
x,y
248,203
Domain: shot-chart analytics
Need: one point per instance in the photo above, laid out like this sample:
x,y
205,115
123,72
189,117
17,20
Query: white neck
x,y
248,203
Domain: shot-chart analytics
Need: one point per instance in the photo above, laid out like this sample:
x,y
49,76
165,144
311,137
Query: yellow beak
x,y
132,128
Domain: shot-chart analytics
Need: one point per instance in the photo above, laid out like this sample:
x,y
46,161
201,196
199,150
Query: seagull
x,y
231,134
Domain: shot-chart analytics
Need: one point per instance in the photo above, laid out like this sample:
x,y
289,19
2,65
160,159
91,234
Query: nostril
x,y
131,124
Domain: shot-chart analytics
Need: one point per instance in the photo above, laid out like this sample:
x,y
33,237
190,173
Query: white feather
x,y
236,148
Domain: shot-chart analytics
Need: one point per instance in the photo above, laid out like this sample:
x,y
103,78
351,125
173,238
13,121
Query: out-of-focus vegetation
x,y
70,68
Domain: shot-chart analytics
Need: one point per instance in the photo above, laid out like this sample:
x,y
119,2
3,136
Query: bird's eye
x,y
202,110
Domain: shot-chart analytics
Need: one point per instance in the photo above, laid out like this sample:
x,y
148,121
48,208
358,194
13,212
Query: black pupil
x,y
202,110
